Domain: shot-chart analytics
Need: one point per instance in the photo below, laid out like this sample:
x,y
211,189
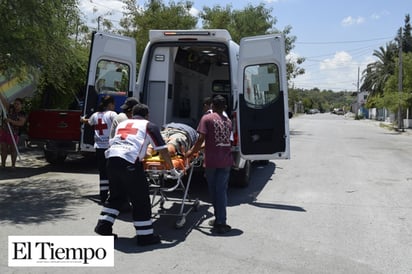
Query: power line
x,y
104,6
344,42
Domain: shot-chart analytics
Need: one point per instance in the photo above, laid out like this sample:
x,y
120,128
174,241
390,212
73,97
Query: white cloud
x,y
293,56
338,73
379,15
194,11
376,16
340,59
348,21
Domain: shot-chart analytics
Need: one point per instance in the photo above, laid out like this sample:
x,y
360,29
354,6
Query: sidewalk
x,y
389,126
383,124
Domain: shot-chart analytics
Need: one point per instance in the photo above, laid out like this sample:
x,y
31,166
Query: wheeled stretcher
x,y
162,184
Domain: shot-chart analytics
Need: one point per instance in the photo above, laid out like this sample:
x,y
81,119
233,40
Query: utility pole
x,y
98,22
400,86
359,108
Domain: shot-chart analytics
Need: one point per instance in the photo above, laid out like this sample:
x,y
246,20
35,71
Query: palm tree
x,y
407,37
376,74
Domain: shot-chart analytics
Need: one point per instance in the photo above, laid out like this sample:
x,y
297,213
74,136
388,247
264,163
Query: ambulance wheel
x,y
241,177
262,162
55,157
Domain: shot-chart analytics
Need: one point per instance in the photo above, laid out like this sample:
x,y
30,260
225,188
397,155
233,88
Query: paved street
x,y
341,204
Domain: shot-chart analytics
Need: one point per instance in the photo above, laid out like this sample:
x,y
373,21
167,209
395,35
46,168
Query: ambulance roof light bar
x,y
191,33
204,35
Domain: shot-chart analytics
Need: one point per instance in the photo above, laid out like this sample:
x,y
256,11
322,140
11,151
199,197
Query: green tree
x,y
407,35
292,63
155,14
39,36
376,74
325,100
250,21
33,32
61,89
217,17
392,98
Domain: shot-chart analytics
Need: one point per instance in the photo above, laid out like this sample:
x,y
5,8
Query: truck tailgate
x,y
52,124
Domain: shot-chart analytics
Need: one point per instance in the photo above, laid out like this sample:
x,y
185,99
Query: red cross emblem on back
x,y
124,132
100,126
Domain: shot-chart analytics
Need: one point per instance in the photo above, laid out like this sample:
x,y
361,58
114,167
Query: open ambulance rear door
x,y
263,115
112,71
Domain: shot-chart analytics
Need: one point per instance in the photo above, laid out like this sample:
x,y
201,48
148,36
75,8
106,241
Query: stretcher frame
x,y
158,177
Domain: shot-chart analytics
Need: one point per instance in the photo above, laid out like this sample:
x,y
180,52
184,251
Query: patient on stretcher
x,y
178,138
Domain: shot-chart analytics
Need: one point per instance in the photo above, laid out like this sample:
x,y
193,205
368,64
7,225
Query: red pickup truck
x,y
58,131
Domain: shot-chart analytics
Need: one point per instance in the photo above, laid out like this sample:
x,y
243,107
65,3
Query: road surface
x,y
341,204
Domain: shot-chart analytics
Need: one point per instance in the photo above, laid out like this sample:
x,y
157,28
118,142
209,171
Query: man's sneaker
x,y
222,228
151,239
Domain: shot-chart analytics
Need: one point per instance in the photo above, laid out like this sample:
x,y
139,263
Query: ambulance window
x,y
221,86
112,77
261,85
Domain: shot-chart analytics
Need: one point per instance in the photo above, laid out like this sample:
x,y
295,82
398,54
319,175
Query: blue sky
x,y
337,38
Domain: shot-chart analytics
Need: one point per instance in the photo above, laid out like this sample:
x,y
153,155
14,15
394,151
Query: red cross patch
x,y
100,126
124,132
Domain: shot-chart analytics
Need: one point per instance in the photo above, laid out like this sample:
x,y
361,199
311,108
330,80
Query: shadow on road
x,y
261,175
279,206
165,226
38,200
26,199
33,163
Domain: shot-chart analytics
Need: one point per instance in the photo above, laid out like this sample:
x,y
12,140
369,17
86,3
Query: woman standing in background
x,y
14,119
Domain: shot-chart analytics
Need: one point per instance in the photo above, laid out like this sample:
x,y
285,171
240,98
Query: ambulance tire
x,y
55,157
241,177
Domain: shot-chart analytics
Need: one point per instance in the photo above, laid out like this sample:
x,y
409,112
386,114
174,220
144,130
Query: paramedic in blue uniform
x,y
126,174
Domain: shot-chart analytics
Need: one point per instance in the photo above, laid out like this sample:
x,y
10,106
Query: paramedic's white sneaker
x,y
151,239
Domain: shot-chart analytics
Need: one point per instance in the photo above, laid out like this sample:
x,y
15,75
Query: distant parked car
x,y
313,111
338,111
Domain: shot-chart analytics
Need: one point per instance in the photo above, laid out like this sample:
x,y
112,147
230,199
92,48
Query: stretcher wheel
x,y
196,205
181,222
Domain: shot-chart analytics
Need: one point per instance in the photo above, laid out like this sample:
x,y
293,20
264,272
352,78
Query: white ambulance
x,y
179,68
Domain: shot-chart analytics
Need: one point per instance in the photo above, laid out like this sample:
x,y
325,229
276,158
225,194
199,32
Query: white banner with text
x,y
52,251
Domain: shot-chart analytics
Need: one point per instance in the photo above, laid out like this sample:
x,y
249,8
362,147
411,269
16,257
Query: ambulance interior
x,y
180,77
